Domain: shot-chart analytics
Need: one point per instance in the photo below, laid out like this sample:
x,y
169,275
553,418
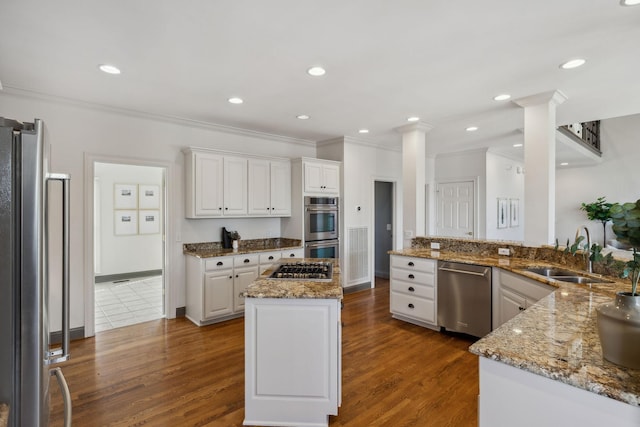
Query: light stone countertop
x,y
557,337
263,287
215,249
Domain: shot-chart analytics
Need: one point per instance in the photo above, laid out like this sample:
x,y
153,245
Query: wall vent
x,y
357,255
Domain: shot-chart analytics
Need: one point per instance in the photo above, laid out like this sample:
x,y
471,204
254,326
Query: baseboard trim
x,y
356,288
74,334
126,276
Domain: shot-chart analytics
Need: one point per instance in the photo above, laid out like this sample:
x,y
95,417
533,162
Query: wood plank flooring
x,y
172,373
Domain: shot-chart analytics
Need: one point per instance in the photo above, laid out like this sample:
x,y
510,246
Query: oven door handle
x,y
321,244
310,209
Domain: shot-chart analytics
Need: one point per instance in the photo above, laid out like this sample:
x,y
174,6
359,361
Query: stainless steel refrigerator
x,y
25,354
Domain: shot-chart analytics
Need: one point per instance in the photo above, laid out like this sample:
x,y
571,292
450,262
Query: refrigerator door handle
x,y
62,354
66,396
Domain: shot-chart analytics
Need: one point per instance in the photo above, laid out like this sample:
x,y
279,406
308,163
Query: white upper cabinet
x,y
321,177
269,187
235,186
220,184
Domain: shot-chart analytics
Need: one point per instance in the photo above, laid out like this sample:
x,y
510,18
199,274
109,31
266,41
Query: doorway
x,y
383,227
127,264
455,209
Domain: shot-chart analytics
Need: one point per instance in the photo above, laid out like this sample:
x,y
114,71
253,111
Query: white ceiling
x,y
386,60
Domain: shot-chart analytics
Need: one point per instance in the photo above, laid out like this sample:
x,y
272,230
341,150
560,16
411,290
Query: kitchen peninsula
x,y
545,365
293,349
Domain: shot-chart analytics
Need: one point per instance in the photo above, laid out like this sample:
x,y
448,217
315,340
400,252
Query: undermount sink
x,y
564,275
550,271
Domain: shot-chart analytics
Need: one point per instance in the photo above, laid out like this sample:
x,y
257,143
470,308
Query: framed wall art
x,y
125,196
148,196
149,221
126,222
514,212
503,212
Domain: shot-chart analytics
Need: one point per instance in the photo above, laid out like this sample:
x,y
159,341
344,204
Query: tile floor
x,y
126,303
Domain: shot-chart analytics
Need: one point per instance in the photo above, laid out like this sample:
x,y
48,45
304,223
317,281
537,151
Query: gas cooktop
x,y
315,271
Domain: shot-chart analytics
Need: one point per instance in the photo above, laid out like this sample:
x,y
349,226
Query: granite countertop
x,y
557,337
215,249
4,414
263,287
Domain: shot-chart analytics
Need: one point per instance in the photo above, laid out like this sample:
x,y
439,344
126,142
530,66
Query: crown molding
x,y
554,96
421,126
357,141
24,93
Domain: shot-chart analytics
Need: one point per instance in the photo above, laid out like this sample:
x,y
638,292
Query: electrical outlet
x,y
435,245
503,251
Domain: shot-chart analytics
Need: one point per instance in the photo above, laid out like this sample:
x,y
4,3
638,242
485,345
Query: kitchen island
x,y
545,366
293,349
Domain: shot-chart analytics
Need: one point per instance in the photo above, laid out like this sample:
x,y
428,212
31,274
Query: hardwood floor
x,y
172,373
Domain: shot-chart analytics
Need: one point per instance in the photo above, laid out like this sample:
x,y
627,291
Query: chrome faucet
x,y
588,251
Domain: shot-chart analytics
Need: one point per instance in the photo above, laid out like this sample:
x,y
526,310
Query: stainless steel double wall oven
x,y
321,227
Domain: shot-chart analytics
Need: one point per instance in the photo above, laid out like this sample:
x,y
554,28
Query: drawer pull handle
x,y
246,260
220,263
411,264
410,306
271,257
411,289
411,276
292,255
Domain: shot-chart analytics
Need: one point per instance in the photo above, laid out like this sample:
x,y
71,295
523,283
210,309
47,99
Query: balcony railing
x,y
587,133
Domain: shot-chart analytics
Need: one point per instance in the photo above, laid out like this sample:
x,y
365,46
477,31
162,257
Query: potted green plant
x,y
619,322
599,211
626,223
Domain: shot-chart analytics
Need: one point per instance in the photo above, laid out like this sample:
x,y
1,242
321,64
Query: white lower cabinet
x,y
214,284
413,290
514,294
292,361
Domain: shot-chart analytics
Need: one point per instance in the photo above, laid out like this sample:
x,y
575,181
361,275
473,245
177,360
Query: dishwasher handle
x,y
473,273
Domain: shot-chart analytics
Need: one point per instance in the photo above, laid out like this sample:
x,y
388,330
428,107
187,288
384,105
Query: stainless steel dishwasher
x,y
464,298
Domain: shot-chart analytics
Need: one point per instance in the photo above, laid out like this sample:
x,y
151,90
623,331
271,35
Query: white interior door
x,y
455,209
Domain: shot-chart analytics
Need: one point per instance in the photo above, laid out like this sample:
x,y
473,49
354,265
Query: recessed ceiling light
x,y
574,63
110,69
413,119
363,131
564,164
235,100
517,145
303,117
502,97
316,71
472,128
630,2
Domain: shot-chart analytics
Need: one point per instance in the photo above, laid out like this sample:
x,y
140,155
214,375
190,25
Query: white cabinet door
x,y
259,187
280,188
208,188
218,294
511,304
331,178
242,278
235,186
313,177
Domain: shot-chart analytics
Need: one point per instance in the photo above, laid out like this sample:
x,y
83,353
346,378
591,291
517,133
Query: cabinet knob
x,y
410,306
410,264
411,276
521,308
220,208
219,263
236,275
411,289
230,277
226,209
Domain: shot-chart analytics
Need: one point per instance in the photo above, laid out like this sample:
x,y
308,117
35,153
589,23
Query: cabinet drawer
x,y
245,260
293,253
418,277
218,263
419,308
269,257
410,263
413,289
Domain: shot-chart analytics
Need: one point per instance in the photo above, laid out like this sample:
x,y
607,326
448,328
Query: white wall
x,y
504,181
117,254
74,129
464,166
617,178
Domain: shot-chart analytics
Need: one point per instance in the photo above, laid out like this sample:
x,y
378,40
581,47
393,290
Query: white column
x,y
540,166
414,159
